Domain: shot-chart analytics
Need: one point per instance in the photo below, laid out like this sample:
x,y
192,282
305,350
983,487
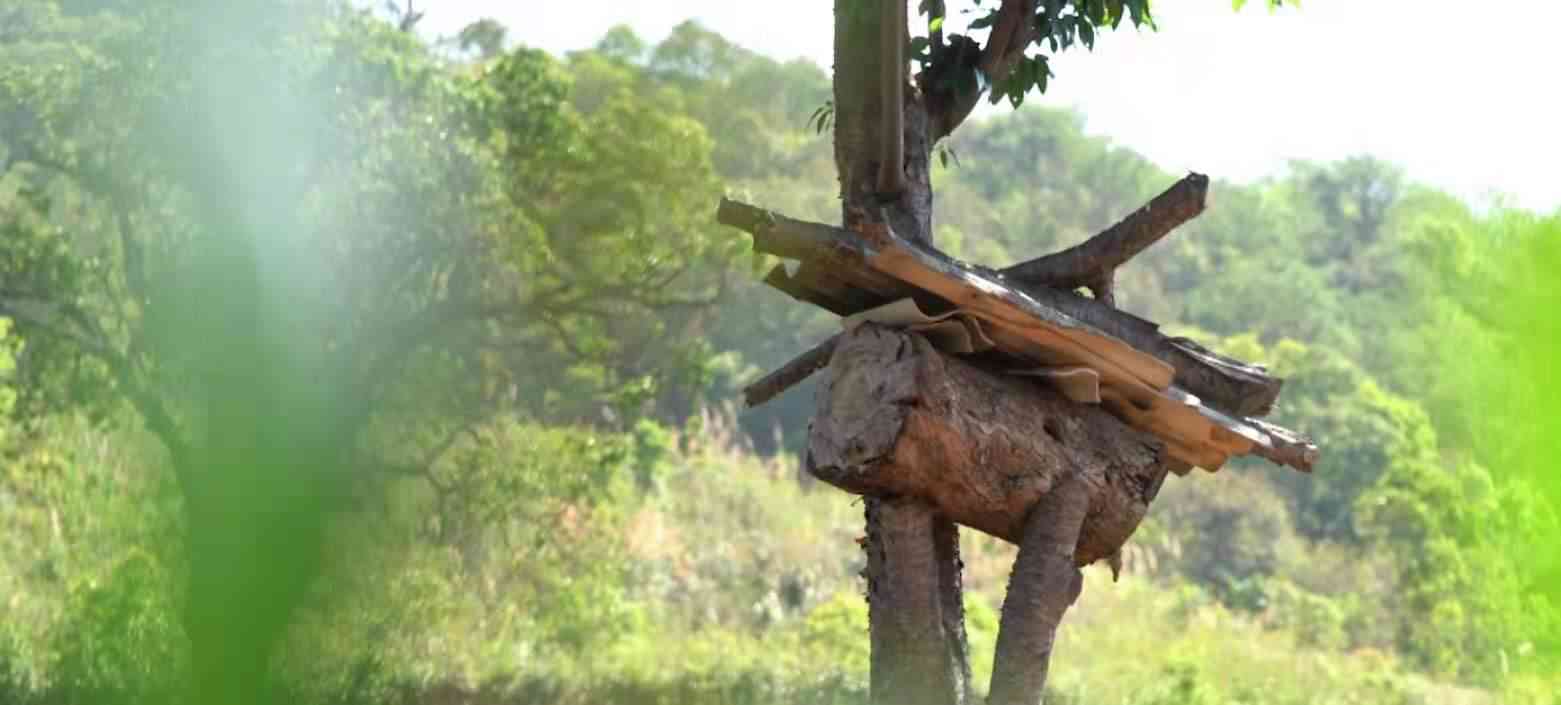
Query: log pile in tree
x,y
933,439
1198,402
897,417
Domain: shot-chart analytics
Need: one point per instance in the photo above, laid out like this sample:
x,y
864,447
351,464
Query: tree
x,y
308,255
887,124
485,35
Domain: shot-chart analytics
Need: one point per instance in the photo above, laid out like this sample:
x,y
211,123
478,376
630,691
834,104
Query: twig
x,y
1093,263
790,374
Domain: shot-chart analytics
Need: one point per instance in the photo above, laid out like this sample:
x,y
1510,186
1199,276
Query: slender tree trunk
x,y
914,608
859,129
254,533
1044,583
913,567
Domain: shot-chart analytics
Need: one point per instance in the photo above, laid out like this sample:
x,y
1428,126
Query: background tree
x,y
301,266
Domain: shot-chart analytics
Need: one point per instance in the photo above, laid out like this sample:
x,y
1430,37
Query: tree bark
x,y
859,125
918,647
916,614
1044,584
896,417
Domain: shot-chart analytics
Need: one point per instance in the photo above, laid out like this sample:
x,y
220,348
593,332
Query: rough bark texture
x,y
898,418
859,124
1043,585
916,615
951,597
917,659
1093,263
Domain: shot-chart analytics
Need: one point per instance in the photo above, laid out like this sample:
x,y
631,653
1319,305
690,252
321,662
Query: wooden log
x,y
792,373
898,418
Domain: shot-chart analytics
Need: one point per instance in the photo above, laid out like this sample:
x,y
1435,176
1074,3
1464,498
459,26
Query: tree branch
x,y
1093,262
1005,33
1044,584
1226,384
153,413
394,344
935,11
791,374
1011,35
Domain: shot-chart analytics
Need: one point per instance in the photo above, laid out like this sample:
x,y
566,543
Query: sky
x,y
1460,97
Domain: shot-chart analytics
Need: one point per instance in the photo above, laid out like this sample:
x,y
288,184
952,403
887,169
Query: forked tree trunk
x,y
963,445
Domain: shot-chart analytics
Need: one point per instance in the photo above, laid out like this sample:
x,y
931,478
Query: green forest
x,y
464,306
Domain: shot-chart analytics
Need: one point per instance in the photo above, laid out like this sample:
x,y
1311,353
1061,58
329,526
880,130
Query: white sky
x,y
1460,97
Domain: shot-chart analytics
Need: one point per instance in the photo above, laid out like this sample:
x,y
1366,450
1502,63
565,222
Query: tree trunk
x,y
859,129
254,533
914,608
917,615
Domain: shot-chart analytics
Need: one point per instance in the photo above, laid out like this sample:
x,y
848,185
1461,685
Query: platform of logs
x,y
897,417
1055,433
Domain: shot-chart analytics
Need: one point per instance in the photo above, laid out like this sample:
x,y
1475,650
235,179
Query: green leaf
x,y
1087,35
1140,11
935,25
